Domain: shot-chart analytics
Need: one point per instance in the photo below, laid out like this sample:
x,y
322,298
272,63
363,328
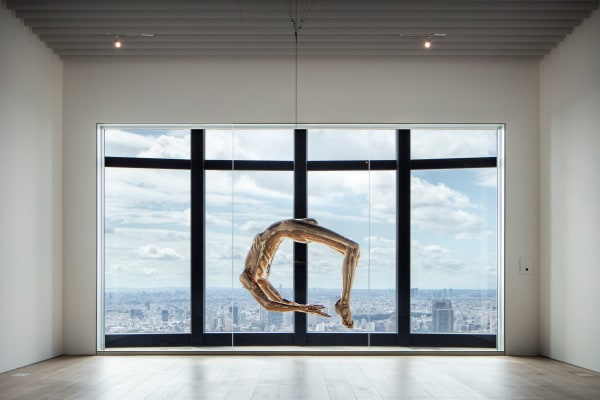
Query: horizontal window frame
x,y
150,163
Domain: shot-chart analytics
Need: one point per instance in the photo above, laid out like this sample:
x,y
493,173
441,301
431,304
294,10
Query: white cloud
x,y
172,236
147,258
147,197
434,257
271,185
382,251
168,147
452,143
444,210
162,197
162,253
382,197
436,266
351,144
249,144
255,226
170,144
488,177
118,143
220,220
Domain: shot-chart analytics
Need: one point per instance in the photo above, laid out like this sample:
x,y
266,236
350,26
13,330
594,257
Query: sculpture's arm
x,y
282,305
272,293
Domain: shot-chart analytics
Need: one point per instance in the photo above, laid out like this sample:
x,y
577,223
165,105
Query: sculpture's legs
x,y
307,230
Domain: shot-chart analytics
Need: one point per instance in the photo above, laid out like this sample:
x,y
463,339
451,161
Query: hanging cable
x,y
292,8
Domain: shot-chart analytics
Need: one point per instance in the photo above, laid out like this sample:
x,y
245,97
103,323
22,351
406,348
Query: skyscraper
x,y
443,316
235,312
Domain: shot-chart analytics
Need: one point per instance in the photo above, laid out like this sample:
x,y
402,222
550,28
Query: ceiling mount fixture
x,y
118,43
427,37
429,42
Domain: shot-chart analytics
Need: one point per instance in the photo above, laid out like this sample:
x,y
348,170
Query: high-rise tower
x,y
443,316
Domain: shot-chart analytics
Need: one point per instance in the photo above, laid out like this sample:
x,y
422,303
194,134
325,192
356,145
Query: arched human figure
x,y
255,277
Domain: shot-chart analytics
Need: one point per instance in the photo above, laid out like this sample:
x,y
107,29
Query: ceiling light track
x,y
117,37
427,37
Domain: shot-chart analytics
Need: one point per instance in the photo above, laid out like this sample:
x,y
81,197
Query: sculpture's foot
x,y
343,310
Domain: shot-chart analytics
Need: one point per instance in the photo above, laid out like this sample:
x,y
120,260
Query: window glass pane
x,y
454,251
147,143
340,201
453,143
249,144
147,251
351,144
382,253
240,205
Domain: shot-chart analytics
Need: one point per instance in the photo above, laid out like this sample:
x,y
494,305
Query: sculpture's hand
x,y
316,309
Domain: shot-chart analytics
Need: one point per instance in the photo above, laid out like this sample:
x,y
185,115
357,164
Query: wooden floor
x,y
299,377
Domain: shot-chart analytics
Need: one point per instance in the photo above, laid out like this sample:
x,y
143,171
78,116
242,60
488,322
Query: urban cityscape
x,y
460,311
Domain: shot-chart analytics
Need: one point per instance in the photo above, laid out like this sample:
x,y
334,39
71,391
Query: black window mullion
x,y
345,165
454,163
300,249
349,165
154,163
403,235
197,236
249,165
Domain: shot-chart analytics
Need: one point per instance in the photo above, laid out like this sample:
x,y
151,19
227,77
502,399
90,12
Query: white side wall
x,y
570,198
31,197
330,90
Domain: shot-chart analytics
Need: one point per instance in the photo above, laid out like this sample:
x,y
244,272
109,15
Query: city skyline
x,y
160,311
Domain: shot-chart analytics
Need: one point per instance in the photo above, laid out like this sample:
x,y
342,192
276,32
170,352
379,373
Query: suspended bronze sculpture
x,y
255,277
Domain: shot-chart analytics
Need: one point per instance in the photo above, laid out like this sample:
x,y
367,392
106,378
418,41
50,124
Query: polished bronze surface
x,y
255,277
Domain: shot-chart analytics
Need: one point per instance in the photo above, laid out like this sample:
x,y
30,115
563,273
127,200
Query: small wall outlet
x,y
526,265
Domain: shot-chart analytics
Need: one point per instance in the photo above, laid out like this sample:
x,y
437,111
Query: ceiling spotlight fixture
x,y
427,37
117,42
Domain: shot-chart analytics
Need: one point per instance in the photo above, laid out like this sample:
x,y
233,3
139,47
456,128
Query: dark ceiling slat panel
x,y
305,33
281,14
290,53
365,28
249,38
330,5
416,44
148,24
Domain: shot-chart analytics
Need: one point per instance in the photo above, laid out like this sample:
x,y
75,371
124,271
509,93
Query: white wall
x,y
31,197
330,90
570,198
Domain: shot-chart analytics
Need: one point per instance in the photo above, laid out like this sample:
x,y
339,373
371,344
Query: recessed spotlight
x,y
117,42
427,43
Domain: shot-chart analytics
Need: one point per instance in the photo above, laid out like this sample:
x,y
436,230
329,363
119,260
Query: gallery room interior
x,y
144,144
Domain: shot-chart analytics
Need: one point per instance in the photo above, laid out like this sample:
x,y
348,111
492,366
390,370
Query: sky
x,y
453,226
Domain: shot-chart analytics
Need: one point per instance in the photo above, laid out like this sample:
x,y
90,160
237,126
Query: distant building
x,y
165,315
275,318
443,316
235,312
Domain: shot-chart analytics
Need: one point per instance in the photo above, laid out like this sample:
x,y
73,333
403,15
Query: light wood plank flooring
x,y
292,377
